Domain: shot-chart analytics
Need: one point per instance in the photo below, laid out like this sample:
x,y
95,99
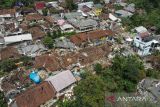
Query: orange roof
x,y
49,19
32,17
144,34
35,96
93,35
36,32
50,62
85,56
7,11
9,52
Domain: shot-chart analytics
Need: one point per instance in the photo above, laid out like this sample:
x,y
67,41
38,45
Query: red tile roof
x,y
144,34
9,52
7,11
32,17
85,56
36,32
49,62
93,35
35,96
49,19
40,5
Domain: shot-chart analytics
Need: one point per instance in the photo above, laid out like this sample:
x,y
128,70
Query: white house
x,y
112,17
67,28
144,41
88,4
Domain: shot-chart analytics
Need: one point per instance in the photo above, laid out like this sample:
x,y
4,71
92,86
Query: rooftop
x,y
17,38
32,17
35,96
7,11
78,21
61,80
36,32
84,37
54,61
9,52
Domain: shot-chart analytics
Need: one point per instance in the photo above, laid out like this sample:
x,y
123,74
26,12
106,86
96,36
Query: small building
x,y
80,23
35,96
48,62
123,13
64,43
144,41
17,38
36,32
67,28
39,6
61,80
130,8
85,9
34,18
32,50
94,37
97,9
9,52
88,4
53,4
7,15
112,17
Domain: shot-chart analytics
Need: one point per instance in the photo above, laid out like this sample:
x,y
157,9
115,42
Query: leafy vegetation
x,y
3,103
45,12
27,61
48,41
90,92
148,14
123,75
70,5
7,65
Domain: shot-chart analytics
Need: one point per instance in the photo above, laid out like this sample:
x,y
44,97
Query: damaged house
x,y
96,37
35,96
53,62
144,41
82,24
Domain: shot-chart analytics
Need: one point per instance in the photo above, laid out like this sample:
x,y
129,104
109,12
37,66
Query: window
x,y
152,45
137,38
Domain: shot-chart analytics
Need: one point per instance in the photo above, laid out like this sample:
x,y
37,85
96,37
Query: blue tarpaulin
x,y
34,77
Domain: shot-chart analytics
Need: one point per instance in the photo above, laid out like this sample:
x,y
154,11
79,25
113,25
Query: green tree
x,y
90,92
45,12
59,33
48,41
3,103
26,60
66,103
152,16
98,68
7,3
124,74
70,5
7,65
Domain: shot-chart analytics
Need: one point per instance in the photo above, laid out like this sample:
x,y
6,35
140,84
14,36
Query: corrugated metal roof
x,y
17,38
62,80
